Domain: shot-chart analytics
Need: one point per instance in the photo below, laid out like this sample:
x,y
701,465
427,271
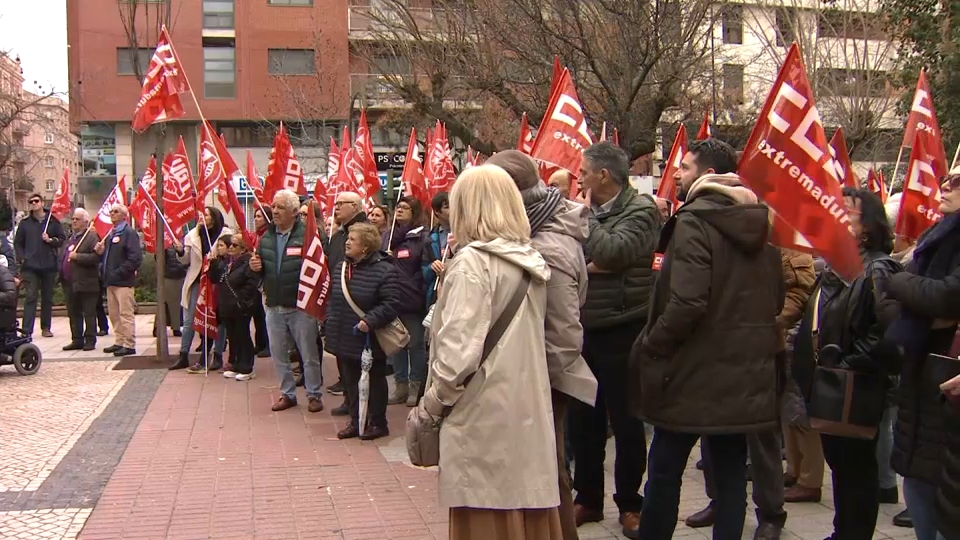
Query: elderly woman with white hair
x,y
122,256
488,375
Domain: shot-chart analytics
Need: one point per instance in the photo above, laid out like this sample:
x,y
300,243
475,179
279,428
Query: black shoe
x,y
112,349
183,362
890,495
342,410
699,464
263,353
177,333
903,519
125,351
704,518
46,333
374,432
102,333
73,346
89,345
217,362
767,531
336,388
349,432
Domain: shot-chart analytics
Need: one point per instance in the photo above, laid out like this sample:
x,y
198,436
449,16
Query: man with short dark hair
x,y
37,240
624,227
434,249
705,362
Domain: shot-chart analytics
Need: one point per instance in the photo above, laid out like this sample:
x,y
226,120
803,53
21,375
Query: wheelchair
x,y
16,348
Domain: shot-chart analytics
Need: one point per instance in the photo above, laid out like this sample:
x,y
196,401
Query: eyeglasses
x,y
952,181
404,207
35,201
114,211
341,203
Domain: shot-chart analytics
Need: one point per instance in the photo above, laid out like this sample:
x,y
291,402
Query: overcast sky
x,y
37,31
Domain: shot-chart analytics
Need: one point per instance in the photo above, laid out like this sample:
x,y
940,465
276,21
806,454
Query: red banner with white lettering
x,y
920,202
362,165
140,205
923,123
439,172
164,82
525,140
875,184
668,185
414,184
563,135
178,189
60,207
253,180
787,164
205,318
314,288
841,157
117,195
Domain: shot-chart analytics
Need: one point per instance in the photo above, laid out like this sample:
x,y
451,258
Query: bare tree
x,y
478,65
847,57
142,21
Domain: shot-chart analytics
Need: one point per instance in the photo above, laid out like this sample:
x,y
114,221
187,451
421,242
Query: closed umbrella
x,y
363,388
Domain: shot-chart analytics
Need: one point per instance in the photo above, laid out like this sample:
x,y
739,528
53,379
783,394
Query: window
x,y
51,185
246,134
851,82
49,162
128,60
48,138
291,61
732,22
787,26
392,65
219,72
836,23
733,82
290,2
218,14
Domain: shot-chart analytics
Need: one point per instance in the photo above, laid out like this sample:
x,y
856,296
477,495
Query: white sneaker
x,y
246,376
229,374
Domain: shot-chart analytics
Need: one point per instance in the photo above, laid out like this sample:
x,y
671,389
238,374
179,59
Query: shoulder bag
x,y
393,337
423,431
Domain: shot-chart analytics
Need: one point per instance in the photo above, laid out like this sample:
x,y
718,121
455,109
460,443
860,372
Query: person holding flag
x,y
80,278
122,256
38,237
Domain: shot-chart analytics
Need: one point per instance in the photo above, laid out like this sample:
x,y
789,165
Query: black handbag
x,y
843,402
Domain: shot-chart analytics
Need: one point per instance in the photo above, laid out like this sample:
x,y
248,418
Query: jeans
x,y
82,310
763,449
606,352
38,284
411,360
188,332
921,499
288,327
669,452
856,488
888,478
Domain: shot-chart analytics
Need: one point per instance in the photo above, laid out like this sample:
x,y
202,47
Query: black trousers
x,y
607,353
764,451
241,344
102,321
262,343
856,486
82,311
377,405
38,285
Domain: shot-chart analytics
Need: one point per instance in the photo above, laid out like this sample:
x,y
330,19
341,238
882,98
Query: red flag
x,y
314,289
178,189
875,184
212,174
668,186
616,137
704,132
205,318
60,207
162,86
787,164
841,158
563,135
253,180
284,170
102,221
439,172
525,141
147,185
920,202
923,123
363,164
414,184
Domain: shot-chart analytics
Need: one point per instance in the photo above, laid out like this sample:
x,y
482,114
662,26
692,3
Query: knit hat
x,y
518,165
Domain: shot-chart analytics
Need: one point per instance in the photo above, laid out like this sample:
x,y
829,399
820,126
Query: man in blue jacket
x,y
122,256
37,240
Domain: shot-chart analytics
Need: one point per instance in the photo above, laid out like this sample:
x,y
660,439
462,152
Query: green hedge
x,y
146,288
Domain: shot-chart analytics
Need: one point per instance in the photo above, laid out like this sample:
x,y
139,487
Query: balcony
x,y
23,184
19,128
368,23
376,93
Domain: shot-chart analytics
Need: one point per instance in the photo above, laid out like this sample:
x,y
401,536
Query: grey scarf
x,y
539,212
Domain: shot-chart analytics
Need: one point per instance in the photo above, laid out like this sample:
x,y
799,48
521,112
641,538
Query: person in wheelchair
x,y
9,292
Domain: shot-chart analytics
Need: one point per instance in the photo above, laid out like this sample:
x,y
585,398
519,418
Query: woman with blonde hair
x,y
488,377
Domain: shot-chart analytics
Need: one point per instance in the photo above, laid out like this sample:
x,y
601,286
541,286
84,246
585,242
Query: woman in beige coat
x,y
498,467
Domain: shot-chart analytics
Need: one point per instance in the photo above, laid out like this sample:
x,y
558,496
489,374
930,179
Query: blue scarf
x,y
909,330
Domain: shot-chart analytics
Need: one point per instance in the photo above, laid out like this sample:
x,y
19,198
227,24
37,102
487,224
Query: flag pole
x,y
47,223
896,168
393,222
955,156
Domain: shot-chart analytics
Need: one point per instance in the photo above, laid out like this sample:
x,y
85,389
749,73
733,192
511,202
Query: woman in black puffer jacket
x,y
372,283
926,431
237,296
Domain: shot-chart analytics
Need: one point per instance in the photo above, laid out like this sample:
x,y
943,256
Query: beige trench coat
x,y
193,257
497,448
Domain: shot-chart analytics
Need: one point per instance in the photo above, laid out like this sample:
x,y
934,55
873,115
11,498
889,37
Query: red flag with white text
x,y
362,164
253,180
164,82
525,140
563,135
314,288
179,195
414,184
668,186
920,202
205,318
838,151
60,207
439,172
875,184
704,131
922,124
787,164
117,195
284,170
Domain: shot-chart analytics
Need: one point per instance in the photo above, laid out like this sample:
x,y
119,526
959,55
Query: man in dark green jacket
x,y
624,227
278,259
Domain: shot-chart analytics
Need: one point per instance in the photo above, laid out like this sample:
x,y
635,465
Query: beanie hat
x,y
518,165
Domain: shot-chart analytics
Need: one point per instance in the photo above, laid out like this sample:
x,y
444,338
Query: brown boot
x,y
582,515
798,494
631,524
283,404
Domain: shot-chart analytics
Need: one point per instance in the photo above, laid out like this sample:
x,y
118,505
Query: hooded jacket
x,y
706,358
560,242
497,446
